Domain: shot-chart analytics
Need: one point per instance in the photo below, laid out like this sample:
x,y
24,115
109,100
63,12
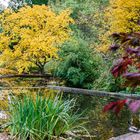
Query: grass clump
x,y
43,118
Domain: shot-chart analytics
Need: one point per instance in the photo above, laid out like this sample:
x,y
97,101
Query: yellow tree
x,y
31,36
124,15
121,16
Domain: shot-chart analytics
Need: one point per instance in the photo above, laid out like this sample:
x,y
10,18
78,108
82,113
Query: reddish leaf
x,y
132,79
115,106
120,105
133,50
109,106
132,76
121,66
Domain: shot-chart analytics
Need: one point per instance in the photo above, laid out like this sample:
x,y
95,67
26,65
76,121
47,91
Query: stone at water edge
x,y
4,136
129,136
3,115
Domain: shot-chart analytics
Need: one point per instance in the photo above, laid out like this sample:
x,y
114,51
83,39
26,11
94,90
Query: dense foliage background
x,y
74,43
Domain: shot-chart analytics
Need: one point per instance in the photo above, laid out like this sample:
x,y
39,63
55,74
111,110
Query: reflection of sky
x,y
5,3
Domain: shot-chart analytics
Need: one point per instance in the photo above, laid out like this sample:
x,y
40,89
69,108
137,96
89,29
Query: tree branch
x,y
26,76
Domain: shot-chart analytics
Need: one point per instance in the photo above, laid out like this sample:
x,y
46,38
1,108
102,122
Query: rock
x,y
129,136
4,136
3,115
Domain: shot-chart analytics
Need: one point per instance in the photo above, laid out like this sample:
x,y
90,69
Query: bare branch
x,y
26,76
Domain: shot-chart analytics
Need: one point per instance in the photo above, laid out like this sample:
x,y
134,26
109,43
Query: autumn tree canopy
x,y
124,15
121,16
31,36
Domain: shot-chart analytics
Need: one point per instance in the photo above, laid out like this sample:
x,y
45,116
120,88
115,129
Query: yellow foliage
x,y
124,15
6,96
4,100
31,37
121,16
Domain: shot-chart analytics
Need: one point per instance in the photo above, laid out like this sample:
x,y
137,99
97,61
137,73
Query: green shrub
x,y
79,65
43,118
39,2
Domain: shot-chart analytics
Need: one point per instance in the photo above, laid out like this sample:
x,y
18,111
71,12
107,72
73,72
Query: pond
x,y
100,125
